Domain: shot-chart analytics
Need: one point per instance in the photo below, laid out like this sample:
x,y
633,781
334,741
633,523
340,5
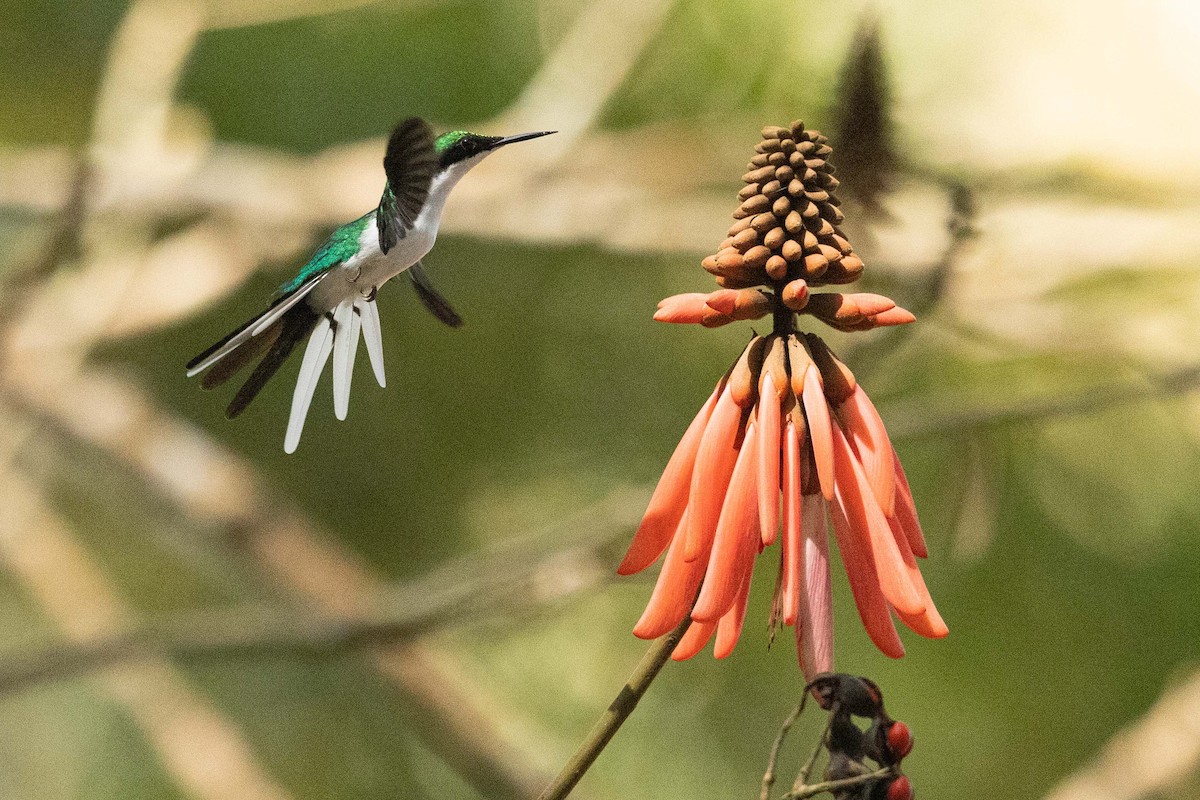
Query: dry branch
x,y
515,580
213,486
1147,759
212,761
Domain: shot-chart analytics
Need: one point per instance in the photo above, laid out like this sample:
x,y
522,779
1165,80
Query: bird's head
x,y
465,149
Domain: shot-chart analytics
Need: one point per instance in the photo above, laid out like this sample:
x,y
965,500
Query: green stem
x,y
615,715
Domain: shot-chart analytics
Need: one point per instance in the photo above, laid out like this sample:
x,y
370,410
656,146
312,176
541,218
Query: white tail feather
x,y
345,342
316,355
373,336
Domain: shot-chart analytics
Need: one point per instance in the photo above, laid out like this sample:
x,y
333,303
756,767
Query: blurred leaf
x,y
719,59
331,728
68,742
1128,289
864,140
1121,480
940,376
352,75
51,54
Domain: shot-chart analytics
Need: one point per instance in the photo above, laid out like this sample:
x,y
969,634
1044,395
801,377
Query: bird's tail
x,y
336,333
274,343
286,334
273,335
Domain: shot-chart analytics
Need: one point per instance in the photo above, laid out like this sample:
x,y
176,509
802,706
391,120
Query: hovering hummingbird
x,y
332,298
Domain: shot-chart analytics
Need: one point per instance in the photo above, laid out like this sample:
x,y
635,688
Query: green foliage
x,y
733,64
354,75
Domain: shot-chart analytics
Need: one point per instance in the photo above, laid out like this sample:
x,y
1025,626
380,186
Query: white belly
x,y
370,268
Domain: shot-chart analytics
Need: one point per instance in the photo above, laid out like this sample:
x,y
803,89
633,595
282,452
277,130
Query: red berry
x,y
900,789
899,740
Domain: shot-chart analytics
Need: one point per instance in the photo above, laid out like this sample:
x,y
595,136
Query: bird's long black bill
x,y
522,137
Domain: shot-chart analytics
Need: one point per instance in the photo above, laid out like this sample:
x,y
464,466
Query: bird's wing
x,y
341,245
433,300
410,163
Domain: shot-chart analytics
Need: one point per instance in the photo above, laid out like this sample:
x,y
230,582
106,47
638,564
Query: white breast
x,y
370,268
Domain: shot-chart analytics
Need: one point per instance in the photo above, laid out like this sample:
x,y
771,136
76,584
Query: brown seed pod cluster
x,y
786,227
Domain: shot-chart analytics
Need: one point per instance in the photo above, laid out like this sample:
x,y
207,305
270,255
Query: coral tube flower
x,y
791,424
787,444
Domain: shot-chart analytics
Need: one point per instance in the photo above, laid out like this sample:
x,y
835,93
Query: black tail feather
x,y
233,363
239,329
295,325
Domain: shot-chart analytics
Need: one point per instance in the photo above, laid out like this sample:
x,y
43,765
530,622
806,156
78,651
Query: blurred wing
x,y
410,163
433,300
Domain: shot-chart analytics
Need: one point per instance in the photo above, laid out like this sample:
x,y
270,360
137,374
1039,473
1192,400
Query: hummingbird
x,y
333,296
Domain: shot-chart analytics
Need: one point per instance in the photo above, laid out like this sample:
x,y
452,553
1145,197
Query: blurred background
x,y
421,602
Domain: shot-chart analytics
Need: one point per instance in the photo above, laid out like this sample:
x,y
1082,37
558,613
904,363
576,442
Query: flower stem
x,y
783,318
615,715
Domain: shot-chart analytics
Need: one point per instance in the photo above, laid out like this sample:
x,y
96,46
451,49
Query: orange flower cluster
x,y
787,439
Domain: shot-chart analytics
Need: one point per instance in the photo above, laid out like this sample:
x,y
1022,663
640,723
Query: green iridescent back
x,y
339,247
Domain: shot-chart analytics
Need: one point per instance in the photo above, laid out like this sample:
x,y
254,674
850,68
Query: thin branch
x,y
238,635
40,551
471,588
806,770
768,779
63,244
223,491
615,715
927,420
834,786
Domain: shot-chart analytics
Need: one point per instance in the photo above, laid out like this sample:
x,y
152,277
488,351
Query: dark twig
x,y
822,741
615,715
797,793
768,779
63,243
